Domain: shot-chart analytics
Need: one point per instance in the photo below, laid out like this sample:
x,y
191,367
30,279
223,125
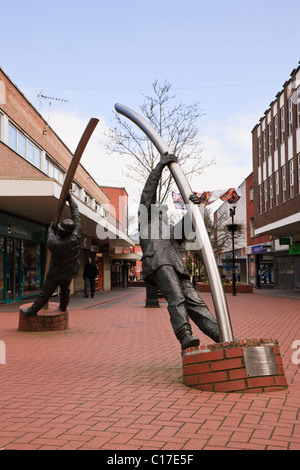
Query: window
x,y
298,173
282,123
271,191
291,168
252,227
76,189
251,193
265,196
264,146
260,199
87,199
276,188
283,176
270,139
21,145
290,115
30,152
298,104
54,171
276,131
18,142
12,137
259,151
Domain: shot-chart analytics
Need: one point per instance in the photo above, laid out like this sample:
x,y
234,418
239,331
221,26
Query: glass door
x,y
2,264
12,269
9,269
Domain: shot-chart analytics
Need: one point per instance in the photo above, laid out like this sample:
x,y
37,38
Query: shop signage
x,y
86,242
284,240
258,249
294,249
22,229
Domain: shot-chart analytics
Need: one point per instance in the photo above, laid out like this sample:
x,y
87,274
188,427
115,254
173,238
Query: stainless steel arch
x,y
218,296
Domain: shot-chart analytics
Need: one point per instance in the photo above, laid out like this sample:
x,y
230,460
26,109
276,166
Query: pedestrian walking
x,y
89,275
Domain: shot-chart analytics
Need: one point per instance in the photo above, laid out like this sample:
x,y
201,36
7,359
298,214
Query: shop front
x,y
261,265
22,258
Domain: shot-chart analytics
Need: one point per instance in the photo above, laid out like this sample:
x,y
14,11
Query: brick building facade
x,y
33,164
276,181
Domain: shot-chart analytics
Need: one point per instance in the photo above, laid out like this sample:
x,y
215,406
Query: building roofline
x,y
43,119
294,71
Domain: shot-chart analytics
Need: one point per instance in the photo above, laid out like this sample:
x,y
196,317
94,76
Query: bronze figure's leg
x,y
64,295
199,312
169,284
47,290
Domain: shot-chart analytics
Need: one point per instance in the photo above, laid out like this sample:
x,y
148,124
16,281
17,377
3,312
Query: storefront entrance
x,y
21,259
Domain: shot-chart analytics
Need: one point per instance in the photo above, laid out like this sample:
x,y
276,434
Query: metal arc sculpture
x,y
218,296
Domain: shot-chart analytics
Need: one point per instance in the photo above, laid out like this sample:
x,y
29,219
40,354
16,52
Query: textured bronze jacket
x,y
165,247
64,263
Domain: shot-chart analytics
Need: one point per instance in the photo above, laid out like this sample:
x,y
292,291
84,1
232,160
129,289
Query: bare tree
x,y
178,128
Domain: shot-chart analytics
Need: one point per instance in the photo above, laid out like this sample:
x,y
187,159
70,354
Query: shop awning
x,y
36,200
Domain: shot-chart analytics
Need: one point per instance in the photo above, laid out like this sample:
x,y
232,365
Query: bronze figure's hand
x,y
168,158
195,199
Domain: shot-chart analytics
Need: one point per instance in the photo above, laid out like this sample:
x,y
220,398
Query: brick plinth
x,y
50,319
221,367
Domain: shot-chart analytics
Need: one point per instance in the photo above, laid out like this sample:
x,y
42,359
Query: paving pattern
x,y
113,380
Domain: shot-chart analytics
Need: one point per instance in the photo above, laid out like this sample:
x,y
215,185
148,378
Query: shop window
x,y
1,268
31,268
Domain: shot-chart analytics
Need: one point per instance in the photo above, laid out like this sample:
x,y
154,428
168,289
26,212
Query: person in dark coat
x,y
163,265
89,275
64,262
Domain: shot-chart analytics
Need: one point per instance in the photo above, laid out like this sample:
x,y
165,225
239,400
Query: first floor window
x,y
298,173
283,176
277,188
291,168
260,199
265,195
20,143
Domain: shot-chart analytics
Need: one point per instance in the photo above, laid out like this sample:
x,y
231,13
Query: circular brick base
x,y
221,367
50,319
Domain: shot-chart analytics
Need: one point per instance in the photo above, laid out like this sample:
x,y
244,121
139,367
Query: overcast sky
x,y
232,56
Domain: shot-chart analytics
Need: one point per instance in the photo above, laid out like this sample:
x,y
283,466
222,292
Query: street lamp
x,y
233,228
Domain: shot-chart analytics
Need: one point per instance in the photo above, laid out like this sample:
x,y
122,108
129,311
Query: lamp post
x,y
233,228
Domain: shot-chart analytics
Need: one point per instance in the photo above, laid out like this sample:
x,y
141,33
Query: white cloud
x,y
230,143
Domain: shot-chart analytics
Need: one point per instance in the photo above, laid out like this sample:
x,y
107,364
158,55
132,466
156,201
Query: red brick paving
x,y
113,381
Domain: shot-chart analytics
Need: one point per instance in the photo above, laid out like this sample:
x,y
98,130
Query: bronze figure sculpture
x,y
163,264
64,262
202,238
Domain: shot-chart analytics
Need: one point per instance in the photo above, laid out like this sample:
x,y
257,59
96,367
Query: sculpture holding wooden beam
x,y
62,260
220,304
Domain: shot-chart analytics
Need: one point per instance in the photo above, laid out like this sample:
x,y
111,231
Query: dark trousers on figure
x,y
184,303
48,290
89,286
